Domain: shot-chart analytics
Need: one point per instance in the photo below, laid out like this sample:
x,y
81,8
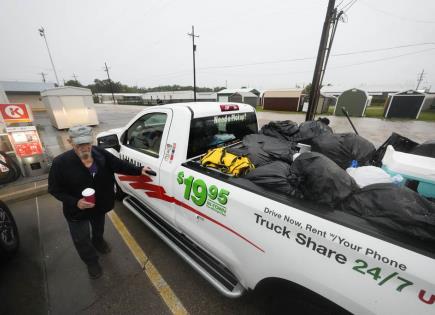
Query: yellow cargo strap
x,y
227,162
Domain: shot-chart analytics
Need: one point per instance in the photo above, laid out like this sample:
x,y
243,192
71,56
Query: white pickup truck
x,y
237,236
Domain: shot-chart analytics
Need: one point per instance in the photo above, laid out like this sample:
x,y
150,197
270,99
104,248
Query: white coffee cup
x,y
89,195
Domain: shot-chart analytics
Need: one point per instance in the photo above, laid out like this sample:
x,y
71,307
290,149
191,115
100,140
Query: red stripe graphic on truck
x,y
158,192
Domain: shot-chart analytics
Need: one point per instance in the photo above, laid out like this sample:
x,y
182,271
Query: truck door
x,y
143,144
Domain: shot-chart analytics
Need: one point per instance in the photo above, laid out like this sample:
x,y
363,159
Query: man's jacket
x,y
69,177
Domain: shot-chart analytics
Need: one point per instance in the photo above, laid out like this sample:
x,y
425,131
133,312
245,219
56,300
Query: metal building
x,y
26,92
324,102
243,95
283,100
70,106
354,100
407,104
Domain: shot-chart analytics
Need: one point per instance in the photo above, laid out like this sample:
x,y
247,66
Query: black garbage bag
x,y
309,130
395,208
262,149
275,176
425,149
399,143
321,180
342,148
282,130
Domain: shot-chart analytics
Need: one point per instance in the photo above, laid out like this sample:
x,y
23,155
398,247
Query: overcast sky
x,y
241,43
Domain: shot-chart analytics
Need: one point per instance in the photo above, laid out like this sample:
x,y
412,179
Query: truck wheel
x,y
9,239
119,194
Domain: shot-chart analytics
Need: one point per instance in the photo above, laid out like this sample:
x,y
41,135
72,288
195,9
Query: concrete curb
x,y
26,193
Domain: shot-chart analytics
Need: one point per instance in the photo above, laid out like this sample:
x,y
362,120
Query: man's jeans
x,y
81,235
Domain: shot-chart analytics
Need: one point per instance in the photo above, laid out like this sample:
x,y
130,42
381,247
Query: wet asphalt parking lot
x,y
47,276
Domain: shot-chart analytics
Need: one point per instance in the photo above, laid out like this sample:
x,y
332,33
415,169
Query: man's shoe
x,y
94,270
102,246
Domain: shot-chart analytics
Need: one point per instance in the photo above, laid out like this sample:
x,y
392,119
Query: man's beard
x,y
84,155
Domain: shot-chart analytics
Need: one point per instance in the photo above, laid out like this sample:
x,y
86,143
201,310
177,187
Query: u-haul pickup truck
x,y
238,235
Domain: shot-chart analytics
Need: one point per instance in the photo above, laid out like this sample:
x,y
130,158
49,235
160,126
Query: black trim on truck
x,y
214,268
334,215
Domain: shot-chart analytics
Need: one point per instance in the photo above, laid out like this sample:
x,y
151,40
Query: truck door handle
x,y
151,172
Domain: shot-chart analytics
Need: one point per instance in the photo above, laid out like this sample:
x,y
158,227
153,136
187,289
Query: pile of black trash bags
x,y
320,174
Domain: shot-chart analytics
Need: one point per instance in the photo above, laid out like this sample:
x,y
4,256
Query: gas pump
x,y
24,139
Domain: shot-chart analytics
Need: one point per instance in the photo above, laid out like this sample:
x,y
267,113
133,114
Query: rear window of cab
x,y
214,131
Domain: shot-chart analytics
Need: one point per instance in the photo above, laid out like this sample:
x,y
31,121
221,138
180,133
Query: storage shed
x,y
243,95
324,102
70,106
407,104
285,100
354,100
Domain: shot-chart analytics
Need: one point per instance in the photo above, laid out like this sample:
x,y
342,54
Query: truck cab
x,y
163,137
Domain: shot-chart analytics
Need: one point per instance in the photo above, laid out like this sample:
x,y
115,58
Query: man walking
x,y
87,166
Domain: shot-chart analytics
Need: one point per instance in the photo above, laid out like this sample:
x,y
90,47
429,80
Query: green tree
x,y
73,83
106,86
307,90
103,86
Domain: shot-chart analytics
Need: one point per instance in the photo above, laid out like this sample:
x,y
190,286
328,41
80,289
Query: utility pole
x,y
194,50
420,79
110,82
315,85
75,77
334,21
43,76
42,34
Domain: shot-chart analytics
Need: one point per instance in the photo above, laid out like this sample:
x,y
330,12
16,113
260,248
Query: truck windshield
x,y
209,132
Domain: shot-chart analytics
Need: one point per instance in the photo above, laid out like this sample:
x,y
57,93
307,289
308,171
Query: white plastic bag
x,y
368,175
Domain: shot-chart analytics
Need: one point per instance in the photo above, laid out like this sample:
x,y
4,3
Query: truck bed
x,y
334,215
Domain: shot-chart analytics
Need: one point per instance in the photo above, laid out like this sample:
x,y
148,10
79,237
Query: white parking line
x,y
44,270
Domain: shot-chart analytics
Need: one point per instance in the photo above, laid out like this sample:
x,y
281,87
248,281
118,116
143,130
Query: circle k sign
x,y
14,113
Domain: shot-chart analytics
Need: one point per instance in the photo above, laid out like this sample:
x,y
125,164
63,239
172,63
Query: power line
x,y
395,15
359,63
257,63
386,58
383,49
350,6
338,5
310,58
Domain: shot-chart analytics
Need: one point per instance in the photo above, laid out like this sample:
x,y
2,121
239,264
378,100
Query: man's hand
x,y
145,169
83,204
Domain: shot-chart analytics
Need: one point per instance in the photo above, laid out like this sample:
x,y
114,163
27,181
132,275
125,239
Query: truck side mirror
x,y
110,141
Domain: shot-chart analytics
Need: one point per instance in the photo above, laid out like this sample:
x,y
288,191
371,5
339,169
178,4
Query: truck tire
x,y
9,239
